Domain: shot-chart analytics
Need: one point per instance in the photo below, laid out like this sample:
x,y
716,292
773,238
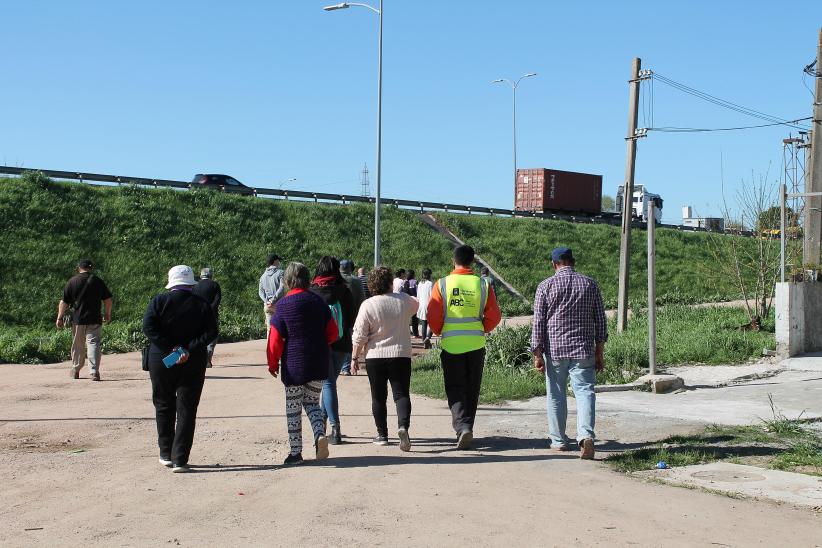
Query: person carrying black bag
x,y
183,322
79,309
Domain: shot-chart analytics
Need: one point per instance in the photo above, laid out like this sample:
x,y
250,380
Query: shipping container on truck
x,y
547,190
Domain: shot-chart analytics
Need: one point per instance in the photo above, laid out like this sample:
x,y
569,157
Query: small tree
x,y
608,203
770,219
752,262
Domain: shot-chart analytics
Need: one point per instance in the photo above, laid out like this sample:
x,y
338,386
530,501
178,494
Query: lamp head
x,y
497,81
341,6
530,74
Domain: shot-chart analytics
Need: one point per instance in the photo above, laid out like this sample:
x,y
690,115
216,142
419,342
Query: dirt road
x,y
78,466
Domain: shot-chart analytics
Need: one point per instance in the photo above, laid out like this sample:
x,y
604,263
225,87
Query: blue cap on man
x,y
562,254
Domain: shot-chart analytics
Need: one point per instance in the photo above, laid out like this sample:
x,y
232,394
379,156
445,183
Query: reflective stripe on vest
x,y
463,301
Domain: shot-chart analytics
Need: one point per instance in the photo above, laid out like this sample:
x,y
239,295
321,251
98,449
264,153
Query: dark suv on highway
x,y
215,180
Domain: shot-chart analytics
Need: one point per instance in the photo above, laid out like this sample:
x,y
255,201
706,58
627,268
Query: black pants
x,y
397,371
424,330
415,326
462,374
176,394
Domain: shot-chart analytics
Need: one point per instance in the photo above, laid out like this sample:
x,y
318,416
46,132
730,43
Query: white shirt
x,y
424,289
398,285
381,329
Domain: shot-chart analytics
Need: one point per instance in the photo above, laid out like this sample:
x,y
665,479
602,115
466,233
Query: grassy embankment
x,y
684,335
777,443
519,249
134,235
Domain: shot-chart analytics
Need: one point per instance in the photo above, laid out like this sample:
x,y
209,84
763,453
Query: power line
x,y
723,103
702,130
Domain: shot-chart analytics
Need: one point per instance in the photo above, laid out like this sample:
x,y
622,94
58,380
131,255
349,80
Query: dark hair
x,y
464,255
484,270
411,274
380,281
400,272
328,266
272,259
85,264
426,274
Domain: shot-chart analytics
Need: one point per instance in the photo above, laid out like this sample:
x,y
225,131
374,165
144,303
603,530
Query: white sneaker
x,y
181,469
165,462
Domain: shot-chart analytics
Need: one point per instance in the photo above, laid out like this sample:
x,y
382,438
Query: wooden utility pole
x,y
813,179
651,289
627,198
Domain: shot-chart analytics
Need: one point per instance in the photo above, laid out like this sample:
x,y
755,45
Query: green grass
x,y
794,448
519,249
135,235
685,335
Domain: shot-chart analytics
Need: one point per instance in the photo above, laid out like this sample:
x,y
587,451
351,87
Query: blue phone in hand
x,y
171,360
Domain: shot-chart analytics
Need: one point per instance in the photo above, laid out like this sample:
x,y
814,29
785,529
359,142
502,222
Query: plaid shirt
x,y
568,316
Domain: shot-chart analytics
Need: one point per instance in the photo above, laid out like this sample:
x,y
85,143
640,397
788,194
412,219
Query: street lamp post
x,y
514,84
378,11
291,180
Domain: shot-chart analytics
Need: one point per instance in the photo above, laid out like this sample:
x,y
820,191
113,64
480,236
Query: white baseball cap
x,y
180,275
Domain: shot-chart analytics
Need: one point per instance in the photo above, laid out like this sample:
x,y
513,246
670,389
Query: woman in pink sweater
x,y
381,337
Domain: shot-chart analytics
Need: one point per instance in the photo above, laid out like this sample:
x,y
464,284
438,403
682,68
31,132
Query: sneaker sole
x,y
465,440
322,448
383,443
179,470
405,440
166,463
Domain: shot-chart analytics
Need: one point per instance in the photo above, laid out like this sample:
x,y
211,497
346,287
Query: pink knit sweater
x,y
381,329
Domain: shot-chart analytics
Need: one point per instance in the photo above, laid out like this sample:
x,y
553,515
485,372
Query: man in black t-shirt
x,y
85,293
210,291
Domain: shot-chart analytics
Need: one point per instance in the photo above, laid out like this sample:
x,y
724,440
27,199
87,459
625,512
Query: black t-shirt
x,y
86,311
210,291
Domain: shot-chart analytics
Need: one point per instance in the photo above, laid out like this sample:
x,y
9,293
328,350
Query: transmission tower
x,y
365,187
793,176
793,161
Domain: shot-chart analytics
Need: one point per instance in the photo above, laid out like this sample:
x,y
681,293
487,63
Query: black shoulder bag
x,y
68,316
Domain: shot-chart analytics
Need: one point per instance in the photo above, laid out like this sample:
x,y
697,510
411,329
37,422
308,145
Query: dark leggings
x,y
397,371
424,330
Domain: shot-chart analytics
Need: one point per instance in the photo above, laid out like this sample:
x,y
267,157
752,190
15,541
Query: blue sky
x,y
270,90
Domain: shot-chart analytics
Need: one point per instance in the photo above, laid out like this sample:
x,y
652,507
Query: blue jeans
x,y
346,364
329,403
583,379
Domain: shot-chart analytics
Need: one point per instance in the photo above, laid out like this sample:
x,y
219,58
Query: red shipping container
x,y
547,190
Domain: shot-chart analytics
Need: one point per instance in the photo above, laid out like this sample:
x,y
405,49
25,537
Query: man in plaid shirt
x,y
569,330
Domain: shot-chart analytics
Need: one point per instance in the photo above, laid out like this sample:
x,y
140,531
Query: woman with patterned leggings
x,y
301,331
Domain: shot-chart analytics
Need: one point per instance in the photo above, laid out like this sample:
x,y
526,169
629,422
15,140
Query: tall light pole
x,y
291,180
378,11
514,84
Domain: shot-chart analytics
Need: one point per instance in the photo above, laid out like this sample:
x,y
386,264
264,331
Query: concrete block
x,y
747,481
798,308
660,384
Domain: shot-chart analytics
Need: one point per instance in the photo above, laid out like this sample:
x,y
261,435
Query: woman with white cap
x,y
178,321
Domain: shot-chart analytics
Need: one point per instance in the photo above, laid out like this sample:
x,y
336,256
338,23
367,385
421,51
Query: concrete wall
x,y
798,318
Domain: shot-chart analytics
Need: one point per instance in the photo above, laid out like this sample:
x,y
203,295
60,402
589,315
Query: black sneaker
x,y
291,460
381,439
405,440
464,439
336,437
